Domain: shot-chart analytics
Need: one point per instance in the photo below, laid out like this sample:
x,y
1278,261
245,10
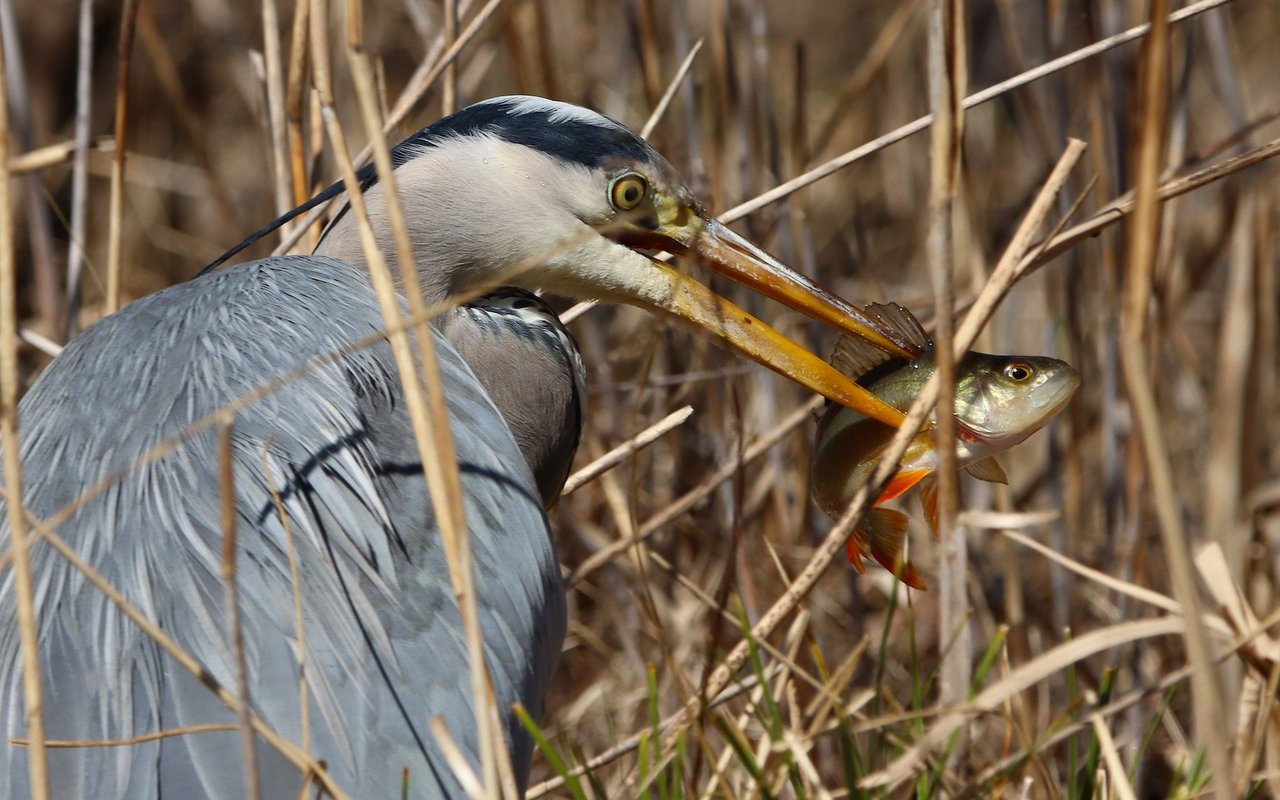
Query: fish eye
x,y
627,191
1018,372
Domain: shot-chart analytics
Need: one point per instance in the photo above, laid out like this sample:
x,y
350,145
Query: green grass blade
x,y
553,758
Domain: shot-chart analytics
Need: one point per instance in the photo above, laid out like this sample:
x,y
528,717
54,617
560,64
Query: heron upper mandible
x,y
500,183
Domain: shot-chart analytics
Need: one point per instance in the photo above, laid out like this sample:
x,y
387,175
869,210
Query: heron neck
x,y
342,241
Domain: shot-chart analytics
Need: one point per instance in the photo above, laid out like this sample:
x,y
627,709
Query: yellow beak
x,y
729,254
741,261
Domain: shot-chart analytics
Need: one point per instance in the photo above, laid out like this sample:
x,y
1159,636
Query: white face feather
x,y
479,205
556,111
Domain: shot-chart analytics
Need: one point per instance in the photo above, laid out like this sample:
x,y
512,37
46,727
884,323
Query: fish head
x,y
1001,400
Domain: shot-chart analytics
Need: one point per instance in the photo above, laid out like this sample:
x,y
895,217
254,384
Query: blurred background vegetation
x,y
780,87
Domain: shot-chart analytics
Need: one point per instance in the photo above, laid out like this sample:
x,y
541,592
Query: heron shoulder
x,y
531,367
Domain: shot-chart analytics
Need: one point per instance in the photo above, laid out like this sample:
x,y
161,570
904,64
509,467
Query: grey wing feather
x,y
384,650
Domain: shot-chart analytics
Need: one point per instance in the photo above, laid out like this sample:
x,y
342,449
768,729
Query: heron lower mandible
x,y
331,452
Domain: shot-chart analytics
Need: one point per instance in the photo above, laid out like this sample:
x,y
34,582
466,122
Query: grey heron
x,y
496,184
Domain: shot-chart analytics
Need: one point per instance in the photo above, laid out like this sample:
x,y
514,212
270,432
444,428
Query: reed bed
x,y
718,645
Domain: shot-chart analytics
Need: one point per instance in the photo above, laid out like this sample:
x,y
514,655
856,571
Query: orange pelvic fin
x,y
885,530
901,482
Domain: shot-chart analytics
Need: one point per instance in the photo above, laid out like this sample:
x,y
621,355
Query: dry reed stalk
x,y
1140,258
1225,465
275,105
115,245
717,606
838,163
295,95
947,83
1133,590
178,98
1262,656
42,343
54,154
80,170
1118,779
428,412
167,733
227,507
628,448
1261,651
449,84
46,294
660,109
456,760
631,743
321,60
23,588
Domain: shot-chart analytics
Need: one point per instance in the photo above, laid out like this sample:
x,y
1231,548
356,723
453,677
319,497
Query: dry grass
x,y
1163,470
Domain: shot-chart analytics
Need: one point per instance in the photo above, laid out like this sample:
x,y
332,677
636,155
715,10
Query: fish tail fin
x,y
885,530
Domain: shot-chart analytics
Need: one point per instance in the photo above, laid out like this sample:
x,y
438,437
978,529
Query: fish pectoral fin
x,y
901,482
989,470
929,502
885,531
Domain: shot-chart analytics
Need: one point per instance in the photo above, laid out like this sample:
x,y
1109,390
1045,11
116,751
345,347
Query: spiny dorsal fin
x,y
988,469
895,317
856,357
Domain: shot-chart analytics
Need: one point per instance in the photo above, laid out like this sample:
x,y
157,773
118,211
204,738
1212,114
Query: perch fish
x,y
999,402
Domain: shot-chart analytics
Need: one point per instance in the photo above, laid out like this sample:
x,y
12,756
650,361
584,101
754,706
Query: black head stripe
x,y
566,132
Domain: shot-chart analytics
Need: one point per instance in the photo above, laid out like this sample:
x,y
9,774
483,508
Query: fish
x,y
999,402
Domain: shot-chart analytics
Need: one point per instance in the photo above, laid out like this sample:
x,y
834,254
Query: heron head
x,y
582,204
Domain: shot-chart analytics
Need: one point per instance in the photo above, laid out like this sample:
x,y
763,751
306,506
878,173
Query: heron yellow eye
x,y
1018,372
628,191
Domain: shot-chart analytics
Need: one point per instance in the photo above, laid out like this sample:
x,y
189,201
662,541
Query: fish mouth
x,y
1049,399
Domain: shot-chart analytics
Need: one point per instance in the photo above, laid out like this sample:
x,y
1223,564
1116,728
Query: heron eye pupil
x,y
628,191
